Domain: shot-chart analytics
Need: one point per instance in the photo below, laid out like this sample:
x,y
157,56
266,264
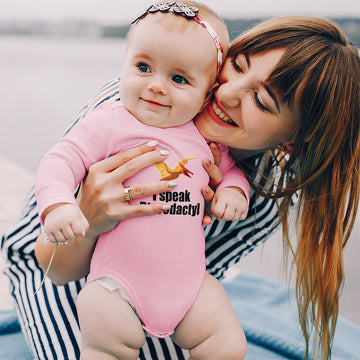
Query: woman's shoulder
x,y
108,93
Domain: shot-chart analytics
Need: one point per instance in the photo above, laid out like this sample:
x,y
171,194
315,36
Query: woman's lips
x,y
218,115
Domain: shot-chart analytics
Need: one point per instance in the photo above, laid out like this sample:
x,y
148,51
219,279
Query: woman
x,y
308,92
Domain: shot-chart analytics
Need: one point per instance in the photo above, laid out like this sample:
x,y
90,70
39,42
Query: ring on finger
x,y
127,193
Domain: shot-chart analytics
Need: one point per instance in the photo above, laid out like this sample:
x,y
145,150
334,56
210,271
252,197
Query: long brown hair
x,y
324,166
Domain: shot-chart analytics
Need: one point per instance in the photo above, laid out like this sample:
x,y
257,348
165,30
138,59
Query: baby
x,y
149,272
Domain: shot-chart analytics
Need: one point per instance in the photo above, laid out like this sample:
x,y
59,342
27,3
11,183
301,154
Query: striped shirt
x,y
49,319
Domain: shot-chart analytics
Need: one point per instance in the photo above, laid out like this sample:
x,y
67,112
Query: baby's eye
x,y
179,79
143,67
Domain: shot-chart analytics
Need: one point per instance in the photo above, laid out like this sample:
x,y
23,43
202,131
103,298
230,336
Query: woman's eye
x,y
143,67
179,79
236,65
259,104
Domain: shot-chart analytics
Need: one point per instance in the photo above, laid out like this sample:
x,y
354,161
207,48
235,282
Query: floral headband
x,y
190,13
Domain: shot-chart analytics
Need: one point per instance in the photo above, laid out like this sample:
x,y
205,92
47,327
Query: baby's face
x,y
168,71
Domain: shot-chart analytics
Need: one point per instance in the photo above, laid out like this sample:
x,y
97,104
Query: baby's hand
x,y
229,204
64,222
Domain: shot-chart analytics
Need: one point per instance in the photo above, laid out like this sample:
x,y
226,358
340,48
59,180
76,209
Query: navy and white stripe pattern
x,y
49,319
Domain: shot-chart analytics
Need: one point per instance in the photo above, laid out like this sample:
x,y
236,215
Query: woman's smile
x,y
218,115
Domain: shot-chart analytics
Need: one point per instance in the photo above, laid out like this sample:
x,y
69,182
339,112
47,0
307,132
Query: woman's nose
x,y
229,95
157,85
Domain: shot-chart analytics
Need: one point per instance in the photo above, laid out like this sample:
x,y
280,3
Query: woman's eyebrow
x,y
267,88
247,60
273,96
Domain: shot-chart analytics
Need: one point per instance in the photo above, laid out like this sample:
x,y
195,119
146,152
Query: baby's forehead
x,y
185,34
168,21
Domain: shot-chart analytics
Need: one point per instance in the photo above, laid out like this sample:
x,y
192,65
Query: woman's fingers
x,y
122,209
216,176
212,167
216,153
139,210
214,173
145,189
208,195
113,162
133,166
102,197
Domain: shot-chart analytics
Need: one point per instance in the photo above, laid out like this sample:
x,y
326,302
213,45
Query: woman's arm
x,y
101,200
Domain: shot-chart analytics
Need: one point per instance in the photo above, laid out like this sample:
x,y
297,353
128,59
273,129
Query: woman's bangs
x,y
288,74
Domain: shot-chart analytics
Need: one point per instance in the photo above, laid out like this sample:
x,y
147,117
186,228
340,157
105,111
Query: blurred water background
x,y
44,82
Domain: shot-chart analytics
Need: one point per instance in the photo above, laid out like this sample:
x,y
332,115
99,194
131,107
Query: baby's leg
x,y
110,329
210,329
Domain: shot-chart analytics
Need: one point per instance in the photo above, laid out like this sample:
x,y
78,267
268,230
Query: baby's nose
x,y
158,86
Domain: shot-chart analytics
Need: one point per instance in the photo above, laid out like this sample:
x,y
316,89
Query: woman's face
x,y
246,112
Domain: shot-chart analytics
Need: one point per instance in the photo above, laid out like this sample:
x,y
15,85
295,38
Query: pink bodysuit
x,y
159,260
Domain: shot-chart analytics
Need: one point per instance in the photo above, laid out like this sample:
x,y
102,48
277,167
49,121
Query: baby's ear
x,y
208,96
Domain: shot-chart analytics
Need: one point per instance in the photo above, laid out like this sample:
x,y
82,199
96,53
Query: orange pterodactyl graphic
x,y
171,174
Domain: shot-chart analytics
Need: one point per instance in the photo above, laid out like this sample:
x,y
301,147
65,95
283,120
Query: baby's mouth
x,y
221,115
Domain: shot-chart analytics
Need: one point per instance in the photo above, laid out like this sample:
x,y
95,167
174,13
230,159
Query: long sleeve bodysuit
x,y
158,260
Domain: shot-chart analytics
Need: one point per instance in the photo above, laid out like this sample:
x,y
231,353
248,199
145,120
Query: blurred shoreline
x,y
94,29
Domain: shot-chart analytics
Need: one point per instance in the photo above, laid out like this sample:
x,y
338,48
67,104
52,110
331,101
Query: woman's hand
x,y
102,201
101,197
215,179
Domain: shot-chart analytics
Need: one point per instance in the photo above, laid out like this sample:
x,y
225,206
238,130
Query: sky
x,y
119,11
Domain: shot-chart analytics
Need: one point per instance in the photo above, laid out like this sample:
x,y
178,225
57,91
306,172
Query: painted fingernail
x,y
166,207
164,152
207,162
172,184
46,239
152,143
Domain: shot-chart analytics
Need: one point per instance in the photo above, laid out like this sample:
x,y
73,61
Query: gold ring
x,y
127,193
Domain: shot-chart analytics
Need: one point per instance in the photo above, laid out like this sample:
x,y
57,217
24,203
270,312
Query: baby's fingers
x,y
223,211
57,236
218,210
67,235
234,214
78,228
54,233
241,214
50,237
